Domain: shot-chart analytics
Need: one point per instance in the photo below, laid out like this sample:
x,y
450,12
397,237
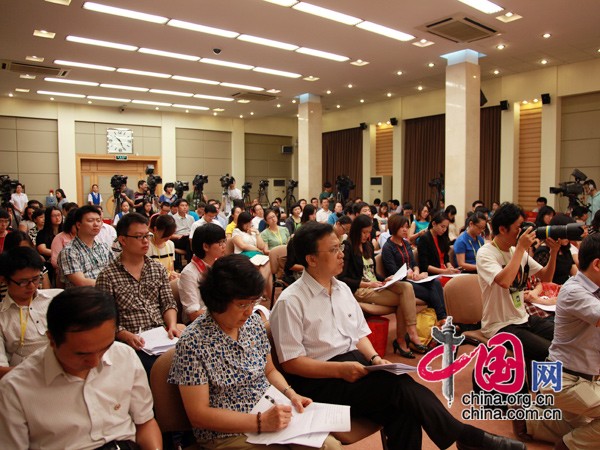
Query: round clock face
x,y
119,140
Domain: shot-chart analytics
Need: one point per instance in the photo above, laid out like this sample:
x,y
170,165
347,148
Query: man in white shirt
x,y
259,216
233,193
210,216
107,233
23,309
83,391
323,213
19,199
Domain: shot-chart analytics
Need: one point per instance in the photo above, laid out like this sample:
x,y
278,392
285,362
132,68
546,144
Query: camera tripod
x,y
289,200
263,199
246,198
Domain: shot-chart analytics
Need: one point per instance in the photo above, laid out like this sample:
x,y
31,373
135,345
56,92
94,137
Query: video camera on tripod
x,y
246,187
7,187
180,187
152,180
572,189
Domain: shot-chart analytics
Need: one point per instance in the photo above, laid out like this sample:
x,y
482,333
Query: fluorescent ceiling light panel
x,y
201,108
109,99
44,34
274,91
26,76
82,40
22,90
147,102
121,12
60,2
34,58
62,62
125,88
177,93
326,13
67,81
285,3
151,51
280,73
267,42
202,28
385,31
242,86
243,101
484,6
61,94
143,73
234,65
322,54
213,97
194,80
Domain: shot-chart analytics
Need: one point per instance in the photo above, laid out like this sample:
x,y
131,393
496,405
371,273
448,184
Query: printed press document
x,y
399,275
157,341
309,428
397,368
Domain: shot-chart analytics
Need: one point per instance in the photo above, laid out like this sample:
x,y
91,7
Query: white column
x,y
368,160
67,161
238,152
462,130
310,146
550,154
397,162
168,138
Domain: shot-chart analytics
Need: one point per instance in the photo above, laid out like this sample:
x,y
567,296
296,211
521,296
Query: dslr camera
x,y
571,231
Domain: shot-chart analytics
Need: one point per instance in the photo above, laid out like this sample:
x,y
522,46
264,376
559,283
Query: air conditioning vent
x,y
254,97
32,69
460,29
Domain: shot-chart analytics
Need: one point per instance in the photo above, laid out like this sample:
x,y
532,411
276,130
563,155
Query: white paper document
x,y
397,368
549,308
309,428
157,341
426,279
259,260
399,275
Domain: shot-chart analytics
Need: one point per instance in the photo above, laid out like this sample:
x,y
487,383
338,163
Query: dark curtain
x,y
342,155
489,156
424,153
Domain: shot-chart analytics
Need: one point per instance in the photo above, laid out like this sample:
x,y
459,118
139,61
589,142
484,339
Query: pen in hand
x,y
271,399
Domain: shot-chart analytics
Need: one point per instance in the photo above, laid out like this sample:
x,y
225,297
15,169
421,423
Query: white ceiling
x,y
573,26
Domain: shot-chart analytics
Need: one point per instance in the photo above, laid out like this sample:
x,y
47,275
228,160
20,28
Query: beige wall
x,y
29,153
90,138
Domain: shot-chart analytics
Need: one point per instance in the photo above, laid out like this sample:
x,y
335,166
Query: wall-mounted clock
x,y
119,140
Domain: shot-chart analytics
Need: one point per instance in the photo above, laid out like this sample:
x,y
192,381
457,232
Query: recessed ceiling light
x,y
148,102
26,76
61,94
267,42
349,86
214,114
89,102
34,58
194,80
379,124
281,73
151,51
524,102
60,2
419,88
500,47
326,13
22,90
157,108
423,43
509,17
44,34
241,116
177,93
338,106
544,61
535,100
322,54
385,31
359,63
62,62
496,72
362,100
109,99
399,73
67,81
251,113
202,28
243,101
431,64
294,101
278,105
201,108
310,78
52,99
243,86
143,73
328,92
234,65
121,12
389,94
213,97
484,6
274,91
98,43
123,87
10,94
546,35
187,111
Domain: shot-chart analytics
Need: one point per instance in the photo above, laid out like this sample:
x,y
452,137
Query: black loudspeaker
x,y
393,121
482,98
545,99
363,126
504,105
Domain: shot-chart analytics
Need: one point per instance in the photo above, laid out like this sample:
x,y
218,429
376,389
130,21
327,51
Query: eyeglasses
x,y
140,237
333,250
222,242
251,304
25,283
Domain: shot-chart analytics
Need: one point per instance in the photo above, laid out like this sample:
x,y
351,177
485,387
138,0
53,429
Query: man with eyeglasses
x,y
83,258
140,287
23,309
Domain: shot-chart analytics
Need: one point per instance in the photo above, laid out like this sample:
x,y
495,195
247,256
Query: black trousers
x,y
536,336
397,402
433,294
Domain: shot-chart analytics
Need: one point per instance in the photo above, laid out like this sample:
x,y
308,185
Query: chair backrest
x,y
379,266
229,247
462,296
175,288
277,258
168,406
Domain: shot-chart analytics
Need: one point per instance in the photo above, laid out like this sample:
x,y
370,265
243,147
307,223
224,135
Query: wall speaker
x,y
393,121
363,126
545,99
504,105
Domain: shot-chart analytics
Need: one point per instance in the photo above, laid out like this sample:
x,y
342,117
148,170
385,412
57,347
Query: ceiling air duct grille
x,y
253,96
32,69
460,29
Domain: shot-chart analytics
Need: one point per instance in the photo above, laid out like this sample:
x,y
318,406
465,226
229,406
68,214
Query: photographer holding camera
x,y
232,194
503,267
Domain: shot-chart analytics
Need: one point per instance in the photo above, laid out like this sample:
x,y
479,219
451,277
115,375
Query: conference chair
x,y
462,296
277,258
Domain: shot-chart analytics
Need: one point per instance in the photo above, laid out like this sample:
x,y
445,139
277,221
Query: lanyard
x,y
23,318
278,235
440,254
405,258
200,265
473,248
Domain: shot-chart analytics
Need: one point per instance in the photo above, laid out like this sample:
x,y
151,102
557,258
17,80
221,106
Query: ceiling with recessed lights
x,y
253,58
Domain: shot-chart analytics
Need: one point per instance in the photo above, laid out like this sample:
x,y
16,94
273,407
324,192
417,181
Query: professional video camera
x,y
292,184
571,231
152,180
117,181
263,183
572,189
199,181
7,187
343,182
437,183
246,188
181,187
226,181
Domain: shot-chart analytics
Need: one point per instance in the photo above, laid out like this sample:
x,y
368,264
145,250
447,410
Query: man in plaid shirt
x,y
140,287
